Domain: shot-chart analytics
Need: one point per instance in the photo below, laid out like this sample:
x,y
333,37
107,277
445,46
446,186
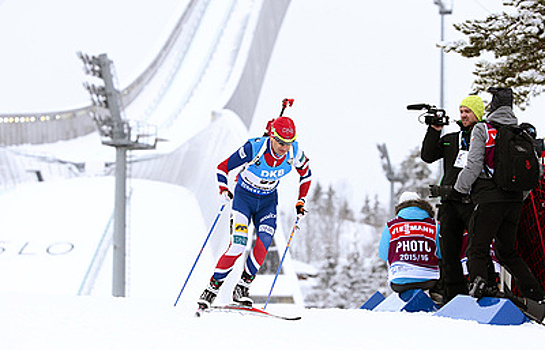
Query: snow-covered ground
x,y
49,232
30,321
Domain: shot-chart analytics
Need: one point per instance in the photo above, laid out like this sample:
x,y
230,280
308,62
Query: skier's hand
x,y
225,196
300,208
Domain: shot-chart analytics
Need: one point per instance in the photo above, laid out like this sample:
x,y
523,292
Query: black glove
x,y
458,196
440,191
300,208
447,192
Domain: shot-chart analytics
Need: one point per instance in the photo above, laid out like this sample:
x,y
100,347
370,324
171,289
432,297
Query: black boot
x,y
209,294
478,287
241,293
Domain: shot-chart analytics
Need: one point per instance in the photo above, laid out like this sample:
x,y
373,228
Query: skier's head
x,y
283,130
471,110
501,97
412,199
282,135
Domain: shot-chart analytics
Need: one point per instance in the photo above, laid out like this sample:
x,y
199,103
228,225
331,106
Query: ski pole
x,y
295,227
199,255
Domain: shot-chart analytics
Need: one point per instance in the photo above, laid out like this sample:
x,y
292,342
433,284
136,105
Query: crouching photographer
x,y
454,209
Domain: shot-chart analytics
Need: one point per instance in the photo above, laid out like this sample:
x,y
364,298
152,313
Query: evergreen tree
x,y
367,213
350,282
346,283
322,228
331,222
345,213
329,240
517,40
380,213
417,175
376,271
323,295
315,199
374,215
311,232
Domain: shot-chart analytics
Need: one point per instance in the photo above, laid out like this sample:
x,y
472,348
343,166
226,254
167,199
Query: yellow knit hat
x,y
475,103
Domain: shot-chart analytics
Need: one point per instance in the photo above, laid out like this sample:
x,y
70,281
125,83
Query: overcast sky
x,y
353,67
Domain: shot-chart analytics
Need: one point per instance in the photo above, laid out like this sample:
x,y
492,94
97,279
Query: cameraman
x,y
454,210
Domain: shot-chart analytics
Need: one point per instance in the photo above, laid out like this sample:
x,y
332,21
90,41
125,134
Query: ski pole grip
x,y
287,102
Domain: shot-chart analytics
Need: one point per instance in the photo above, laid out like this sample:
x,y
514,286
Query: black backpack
x,y
516,166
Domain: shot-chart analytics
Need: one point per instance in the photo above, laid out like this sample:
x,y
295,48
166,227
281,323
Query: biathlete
x,y
263,161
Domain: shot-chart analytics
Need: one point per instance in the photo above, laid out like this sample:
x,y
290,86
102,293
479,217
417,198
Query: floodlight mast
x,y
443,10
116,132
390,174
111,94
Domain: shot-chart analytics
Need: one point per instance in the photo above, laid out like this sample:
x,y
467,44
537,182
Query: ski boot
x,y
479,288
209,294
241,293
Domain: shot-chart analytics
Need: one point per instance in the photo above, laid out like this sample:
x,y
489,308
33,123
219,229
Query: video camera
x,y
432,116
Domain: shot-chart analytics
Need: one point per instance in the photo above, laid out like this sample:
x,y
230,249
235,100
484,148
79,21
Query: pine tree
x,y
317,195
517,40
417,175
323,295
329,239
366,212
376,271
351,282
380,213
345,213
311,231
346,283
374,215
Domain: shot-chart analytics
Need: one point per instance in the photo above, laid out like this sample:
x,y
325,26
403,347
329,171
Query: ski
x,y
245,310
